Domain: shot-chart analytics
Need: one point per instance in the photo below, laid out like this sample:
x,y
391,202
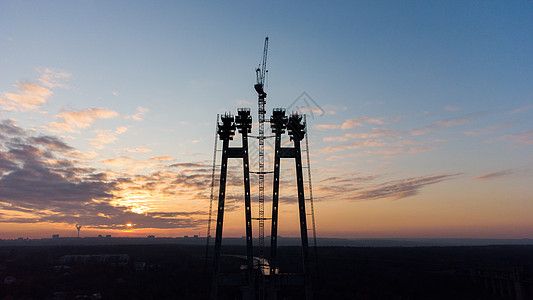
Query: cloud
x,y
241,102
104,137
40,183
353,145
363,186
52,78
8,127
29,97
141,111
327,126
189,165
335,139
376,132
40,177
190,153
441,124
138,149
523,108
399,189
162,158
333,109
523,138
495,175
487,130
452,108
348,124
127,163
51,142
389,153
310,111
73,120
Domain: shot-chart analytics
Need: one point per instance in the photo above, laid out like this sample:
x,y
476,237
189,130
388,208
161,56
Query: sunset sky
x,y
420,114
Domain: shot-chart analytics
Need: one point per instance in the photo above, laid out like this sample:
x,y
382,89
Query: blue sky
x,y
419,113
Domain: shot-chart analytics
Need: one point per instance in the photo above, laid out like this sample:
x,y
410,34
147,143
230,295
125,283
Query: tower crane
x,y
259,88
260,73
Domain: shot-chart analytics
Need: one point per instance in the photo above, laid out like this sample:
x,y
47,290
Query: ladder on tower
x,y
212,193
309,185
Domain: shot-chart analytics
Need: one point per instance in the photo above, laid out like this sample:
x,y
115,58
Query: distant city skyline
x,y
420,115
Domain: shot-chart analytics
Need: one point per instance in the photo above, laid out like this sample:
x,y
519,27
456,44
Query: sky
x,y
419,115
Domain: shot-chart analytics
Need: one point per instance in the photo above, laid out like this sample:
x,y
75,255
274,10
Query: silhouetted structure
x,y
226,131
296,129
262,278
78,227
261,111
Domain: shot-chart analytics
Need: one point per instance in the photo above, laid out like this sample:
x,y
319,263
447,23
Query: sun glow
x,y
135,201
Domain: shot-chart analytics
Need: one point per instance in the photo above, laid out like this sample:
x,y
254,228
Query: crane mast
x,y
261,73
261,95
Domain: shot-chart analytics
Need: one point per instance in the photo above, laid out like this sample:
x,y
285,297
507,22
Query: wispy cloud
x,y
442,124
494,175
162,158
375,133
104,137
398,189
389,153
141,111
523,138
333,109
523,171
9,127
353,145
523,108
138,149
310,111
127,163
29,97
241,102
487,130
52,78
71,121
189,165
350,123
327,126
452,108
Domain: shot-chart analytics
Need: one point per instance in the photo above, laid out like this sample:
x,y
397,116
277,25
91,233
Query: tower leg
x,y
303,219
274,233
220,219
248,215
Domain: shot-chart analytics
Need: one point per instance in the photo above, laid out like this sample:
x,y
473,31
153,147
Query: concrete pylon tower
x,y
295,126
226,131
